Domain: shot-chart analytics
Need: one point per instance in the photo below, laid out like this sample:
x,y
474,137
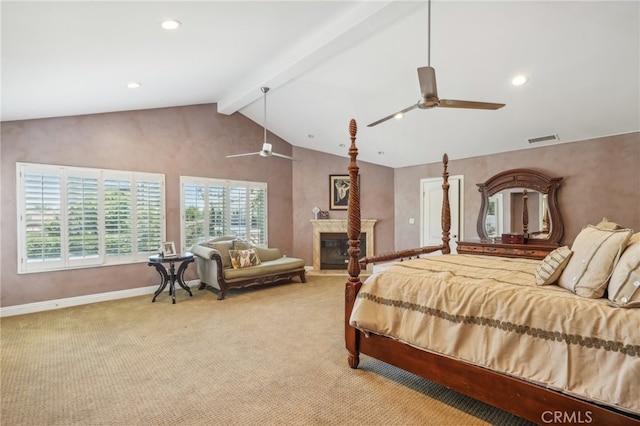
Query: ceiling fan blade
x,y
452,103
243,155
427,79
275,154
389,117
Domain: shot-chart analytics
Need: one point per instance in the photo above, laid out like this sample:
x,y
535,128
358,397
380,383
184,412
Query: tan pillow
x,y
552,266
244,258
624,285
595,253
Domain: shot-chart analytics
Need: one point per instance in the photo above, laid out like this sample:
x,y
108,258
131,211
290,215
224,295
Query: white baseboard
x,y
48,305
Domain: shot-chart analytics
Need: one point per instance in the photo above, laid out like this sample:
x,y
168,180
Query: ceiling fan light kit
x,y
267,148
429,90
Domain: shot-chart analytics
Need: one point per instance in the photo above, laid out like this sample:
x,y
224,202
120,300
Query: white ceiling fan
x,y
267,150
429,91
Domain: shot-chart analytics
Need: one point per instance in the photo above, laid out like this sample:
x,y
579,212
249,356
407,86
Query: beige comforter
x,y
488,311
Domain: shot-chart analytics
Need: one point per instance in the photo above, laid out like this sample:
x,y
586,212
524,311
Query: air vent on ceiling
x,y
544,139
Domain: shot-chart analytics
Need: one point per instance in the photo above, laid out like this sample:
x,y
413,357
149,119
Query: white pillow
x,y
595,253
624,285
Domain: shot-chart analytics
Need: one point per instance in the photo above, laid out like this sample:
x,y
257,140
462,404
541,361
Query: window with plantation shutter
x,y
257,215
83,233
117,213
149,214
41,217
72,217
193,213
213,207
217,211
238,212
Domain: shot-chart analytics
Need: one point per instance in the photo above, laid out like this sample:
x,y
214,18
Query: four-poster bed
x,y
527,398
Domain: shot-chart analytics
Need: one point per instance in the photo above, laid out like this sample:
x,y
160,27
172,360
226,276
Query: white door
x,y
431,211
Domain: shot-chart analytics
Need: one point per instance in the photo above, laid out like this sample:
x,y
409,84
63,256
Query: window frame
x,y
67,174
227,226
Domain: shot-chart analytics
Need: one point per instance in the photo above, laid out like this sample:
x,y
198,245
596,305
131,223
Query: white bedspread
x,y
488,311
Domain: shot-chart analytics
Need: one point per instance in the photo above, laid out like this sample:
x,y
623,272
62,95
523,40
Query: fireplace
x,y
333,248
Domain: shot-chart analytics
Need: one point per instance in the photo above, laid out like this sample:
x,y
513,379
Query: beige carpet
x,y
269,356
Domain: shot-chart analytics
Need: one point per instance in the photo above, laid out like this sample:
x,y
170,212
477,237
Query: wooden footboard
x,y
530,401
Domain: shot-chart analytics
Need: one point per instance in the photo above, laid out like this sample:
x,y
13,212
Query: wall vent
x,y
544,139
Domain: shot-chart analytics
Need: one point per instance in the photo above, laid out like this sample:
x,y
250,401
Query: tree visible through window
x,y
212,208
73,217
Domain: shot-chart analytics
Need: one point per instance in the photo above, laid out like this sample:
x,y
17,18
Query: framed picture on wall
x,y
339,187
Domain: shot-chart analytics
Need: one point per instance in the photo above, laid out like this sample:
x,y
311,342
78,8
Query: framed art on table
x,y
168,249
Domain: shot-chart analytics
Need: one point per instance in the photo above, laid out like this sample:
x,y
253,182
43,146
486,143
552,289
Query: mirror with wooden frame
x,y
521,201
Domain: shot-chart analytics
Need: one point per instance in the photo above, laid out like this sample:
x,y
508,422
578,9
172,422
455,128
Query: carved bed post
x,y
525,213
353,232
445,217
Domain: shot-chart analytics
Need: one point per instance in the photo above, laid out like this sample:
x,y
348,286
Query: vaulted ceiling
x,y
329,61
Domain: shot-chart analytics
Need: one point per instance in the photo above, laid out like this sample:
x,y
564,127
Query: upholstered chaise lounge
x,y
226,262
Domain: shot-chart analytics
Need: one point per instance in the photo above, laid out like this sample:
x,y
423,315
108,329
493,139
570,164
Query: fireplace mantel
x,y
340,225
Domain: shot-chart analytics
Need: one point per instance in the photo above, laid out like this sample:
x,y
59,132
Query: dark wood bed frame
x,y
524,399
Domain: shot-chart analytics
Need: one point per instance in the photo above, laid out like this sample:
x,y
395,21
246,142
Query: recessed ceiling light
x,y
170,24
519,80
134,85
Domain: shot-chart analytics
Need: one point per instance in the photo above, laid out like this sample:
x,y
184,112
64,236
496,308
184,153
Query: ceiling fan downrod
x,y
429,33
265,90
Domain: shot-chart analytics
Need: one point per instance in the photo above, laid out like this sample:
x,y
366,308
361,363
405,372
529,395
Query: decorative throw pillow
x,y
624,285
595,253
244,258
552,266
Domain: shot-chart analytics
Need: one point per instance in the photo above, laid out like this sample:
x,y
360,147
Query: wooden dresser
x,y
535,250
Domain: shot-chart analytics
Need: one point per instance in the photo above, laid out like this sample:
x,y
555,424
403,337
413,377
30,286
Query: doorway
x,y
431,211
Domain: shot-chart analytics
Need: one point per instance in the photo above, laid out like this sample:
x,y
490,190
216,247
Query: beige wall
x,y
311,189
600,179
194,140
178,141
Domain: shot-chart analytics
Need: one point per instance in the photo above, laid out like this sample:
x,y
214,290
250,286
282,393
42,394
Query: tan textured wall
x,y
177,141
311,189
600,179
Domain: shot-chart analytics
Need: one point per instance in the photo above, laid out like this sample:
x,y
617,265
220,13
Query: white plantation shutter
x,y
194,206
217,211
83,227
117,224
70,217
212,208
41,218
238,212
149,215
257,215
